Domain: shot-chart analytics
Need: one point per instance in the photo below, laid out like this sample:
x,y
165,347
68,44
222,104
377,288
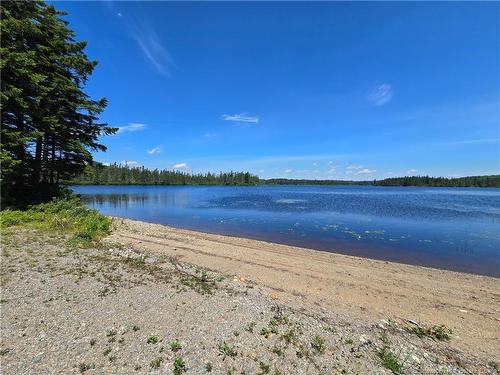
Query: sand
x,y
358,289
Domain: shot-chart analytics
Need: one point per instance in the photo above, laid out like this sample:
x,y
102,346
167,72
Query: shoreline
x,y
362,289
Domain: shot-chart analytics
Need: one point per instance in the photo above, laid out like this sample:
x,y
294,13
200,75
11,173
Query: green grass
x,y
179,366
227,350
156,363
439,332
64,215
175,346
152,340
318,344
389,360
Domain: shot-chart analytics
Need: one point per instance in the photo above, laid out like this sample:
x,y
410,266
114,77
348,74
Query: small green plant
x,y
250,327
389,360
289,336
318,344
264,367
83,367
439,332
106,351
227,350
4,351
278,351
156,363
152,340
175,346
349,341
329,328
265,332
111,335
179,366
209,367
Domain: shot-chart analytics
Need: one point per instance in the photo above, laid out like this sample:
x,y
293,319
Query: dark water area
x,y
450,228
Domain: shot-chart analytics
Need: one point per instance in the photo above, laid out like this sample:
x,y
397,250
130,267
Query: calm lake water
x,y
451,228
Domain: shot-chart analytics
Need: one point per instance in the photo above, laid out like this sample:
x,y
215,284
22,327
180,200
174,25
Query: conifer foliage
x,y
49,124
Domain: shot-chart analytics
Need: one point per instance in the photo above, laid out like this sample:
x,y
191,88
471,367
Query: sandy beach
x,y
357,288
150,299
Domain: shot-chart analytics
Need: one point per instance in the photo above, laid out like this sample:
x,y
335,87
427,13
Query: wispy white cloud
x,y
180,166
119,14
241,117
155,52
380,95
154,150
331,171
365,171
129,163
288,170
314,164
470,142
209,135
134,127
411,171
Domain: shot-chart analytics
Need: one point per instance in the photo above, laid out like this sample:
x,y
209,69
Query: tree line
x,y
117,174
471,181
50,125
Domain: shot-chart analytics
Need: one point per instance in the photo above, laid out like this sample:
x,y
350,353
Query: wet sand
x,y
356,288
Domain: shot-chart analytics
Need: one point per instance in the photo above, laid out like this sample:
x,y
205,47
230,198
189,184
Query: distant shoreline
x,y
117,174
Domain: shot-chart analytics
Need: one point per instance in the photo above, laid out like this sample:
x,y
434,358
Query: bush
x,y
66,214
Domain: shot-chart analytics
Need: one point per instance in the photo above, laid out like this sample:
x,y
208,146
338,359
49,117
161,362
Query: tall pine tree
x,y
49,124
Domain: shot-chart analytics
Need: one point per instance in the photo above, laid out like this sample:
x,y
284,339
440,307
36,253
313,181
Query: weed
x,y
264,367
209,367
318,344
82,367
135,328
265,332
439,332
227,350
175,346
4,351
388,358
111,335
106,351
156,363
289,336
152,340
250,327
278,351
179,366
349,341
329,328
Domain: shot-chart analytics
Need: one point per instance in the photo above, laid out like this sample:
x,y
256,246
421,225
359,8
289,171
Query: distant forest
x,y
472,181
117,174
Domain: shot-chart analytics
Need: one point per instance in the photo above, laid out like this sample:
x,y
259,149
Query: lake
x,y
450,228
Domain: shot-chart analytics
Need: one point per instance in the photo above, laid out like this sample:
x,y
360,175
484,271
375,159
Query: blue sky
x,y
303,90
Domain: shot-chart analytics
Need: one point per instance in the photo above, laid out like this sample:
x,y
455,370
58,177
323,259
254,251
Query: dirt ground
x,y
353,286
157,300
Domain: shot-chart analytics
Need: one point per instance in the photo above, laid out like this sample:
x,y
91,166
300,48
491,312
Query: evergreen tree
x,y
49,124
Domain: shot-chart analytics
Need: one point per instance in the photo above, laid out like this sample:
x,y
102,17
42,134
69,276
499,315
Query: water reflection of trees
x,y
177,199
116,200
